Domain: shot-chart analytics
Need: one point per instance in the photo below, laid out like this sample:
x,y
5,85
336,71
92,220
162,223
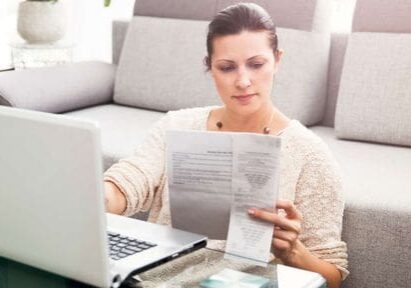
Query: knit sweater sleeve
x,y
319,198
139,176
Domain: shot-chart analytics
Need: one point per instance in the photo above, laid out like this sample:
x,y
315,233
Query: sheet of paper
x,y
214,177
254,185
199,169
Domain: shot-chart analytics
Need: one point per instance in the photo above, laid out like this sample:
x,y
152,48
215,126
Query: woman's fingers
x,y
286,228
289,208
279,244
282,222
289,236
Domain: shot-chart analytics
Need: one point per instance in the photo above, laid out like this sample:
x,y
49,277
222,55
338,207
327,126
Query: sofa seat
x,y
377,217
372,173
122,128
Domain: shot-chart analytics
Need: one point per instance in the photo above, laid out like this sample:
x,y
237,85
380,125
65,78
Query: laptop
x,y
52,212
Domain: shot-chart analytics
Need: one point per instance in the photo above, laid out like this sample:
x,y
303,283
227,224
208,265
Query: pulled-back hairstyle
x,y
237,18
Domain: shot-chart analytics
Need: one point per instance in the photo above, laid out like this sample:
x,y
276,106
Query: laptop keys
x,y
122,246
128,251
135,249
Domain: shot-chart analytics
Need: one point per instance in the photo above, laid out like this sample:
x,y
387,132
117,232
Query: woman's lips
x,y
244,99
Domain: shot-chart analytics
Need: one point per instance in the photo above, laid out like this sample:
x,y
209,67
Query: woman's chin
x,y
246,109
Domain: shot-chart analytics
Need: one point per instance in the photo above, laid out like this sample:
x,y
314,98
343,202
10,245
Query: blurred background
x,y
89,26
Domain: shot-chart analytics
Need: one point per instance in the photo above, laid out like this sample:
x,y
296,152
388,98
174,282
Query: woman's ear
x,y
278,54
207,62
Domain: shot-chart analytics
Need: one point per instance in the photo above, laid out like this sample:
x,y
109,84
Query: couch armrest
x,y
60,88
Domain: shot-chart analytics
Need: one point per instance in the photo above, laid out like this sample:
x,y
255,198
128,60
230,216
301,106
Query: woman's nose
x,y
243,80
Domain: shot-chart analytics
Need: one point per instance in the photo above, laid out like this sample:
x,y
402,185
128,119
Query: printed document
x,y
215,177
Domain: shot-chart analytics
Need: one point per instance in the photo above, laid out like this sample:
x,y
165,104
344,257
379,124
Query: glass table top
x,y
210,268
191,270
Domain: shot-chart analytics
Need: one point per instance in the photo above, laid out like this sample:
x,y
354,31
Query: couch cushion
x,y
374,100
382,16
377,214
122,128
180,9
300,89
337,50
119,30
60,88
309,15
375,175
161,65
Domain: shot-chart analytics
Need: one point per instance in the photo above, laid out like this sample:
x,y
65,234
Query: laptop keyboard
x,y
122,246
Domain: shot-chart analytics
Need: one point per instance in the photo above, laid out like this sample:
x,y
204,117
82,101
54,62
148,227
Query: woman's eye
x,y
256,65
226,68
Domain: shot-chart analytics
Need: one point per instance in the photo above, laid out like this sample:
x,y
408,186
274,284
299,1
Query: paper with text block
x,y
214,177
254,185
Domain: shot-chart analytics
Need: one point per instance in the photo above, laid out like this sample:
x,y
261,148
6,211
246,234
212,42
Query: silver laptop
x,y
52,213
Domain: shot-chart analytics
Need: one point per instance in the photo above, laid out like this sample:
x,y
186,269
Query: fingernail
x,y
251,211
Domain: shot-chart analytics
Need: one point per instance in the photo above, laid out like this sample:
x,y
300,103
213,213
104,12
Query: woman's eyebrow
x,y
256,56
225,60
231,61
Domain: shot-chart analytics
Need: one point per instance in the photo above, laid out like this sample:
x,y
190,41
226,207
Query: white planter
x,y
41,22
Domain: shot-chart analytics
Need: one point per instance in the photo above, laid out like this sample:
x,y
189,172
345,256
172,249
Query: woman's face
x,y
243,67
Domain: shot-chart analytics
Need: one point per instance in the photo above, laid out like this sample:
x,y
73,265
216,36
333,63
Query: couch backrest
x,y
383,16
297,14
119,31
374,100
301,85
378,57
337,53
308,15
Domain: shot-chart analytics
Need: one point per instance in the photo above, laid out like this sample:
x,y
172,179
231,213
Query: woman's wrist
x,y
297,256
301,257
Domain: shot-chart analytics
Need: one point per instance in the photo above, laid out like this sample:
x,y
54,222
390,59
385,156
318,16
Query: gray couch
x,y
158,67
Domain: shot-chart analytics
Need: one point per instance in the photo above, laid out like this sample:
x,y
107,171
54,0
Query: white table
x,y
40,55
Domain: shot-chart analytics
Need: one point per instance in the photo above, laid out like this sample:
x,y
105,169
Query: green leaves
x,y
107,3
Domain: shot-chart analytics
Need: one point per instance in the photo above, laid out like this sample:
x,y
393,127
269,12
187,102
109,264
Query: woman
x,y
243,58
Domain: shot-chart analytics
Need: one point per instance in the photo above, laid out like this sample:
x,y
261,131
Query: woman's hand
x,y
289,248
286,230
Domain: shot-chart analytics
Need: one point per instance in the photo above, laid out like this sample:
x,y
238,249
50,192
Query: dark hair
x,y
237,18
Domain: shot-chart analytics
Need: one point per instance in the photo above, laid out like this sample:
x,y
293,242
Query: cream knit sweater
x,y
309,176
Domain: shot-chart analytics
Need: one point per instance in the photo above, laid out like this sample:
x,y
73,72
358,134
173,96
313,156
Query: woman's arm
x,y
131,183
289,248
115,200
306,260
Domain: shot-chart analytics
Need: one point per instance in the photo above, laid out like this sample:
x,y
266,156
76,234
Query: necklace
x,y
266,129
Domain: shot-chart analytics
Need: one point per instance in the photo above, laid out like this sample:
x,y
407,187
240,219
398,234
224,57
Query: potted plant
x,y
42,21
